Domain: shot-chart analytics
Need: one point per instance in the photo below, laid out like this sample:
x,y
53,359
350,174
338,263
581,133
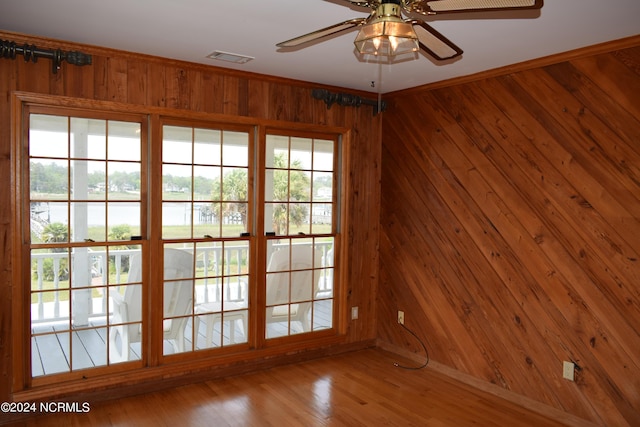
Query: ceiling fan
x,y
385,32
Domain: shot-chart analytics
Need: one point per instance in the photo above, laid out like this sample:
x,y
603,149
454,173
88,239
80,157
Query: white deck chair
x,y
304,285
178,301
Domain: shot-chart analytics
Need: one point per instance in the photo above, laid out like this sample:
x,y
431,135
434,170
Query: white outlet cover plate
x,y
567,370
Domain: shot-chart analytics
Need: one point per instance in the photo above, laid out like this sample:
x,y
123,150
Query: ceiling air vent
x,y
230,57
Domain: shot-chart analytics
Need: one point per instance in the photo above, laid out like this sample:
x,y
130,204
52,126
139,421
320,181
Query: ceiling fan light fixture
x,y
386,38
386,33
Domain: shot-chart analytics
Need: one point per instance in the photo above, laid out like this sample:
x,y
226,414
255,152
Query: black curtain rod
x,y
347,99
9,49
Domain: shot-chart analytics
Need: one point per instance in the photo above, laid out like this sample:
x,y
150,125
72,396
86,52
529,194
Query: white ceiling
x,y
189,30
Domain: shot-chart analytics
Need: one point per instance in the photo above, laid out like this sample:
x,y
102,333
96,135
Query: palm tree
x,y
289,185
55,232
235,188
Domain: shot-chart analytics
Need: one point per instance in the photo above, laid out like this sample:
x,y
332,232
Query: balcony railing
x,y
56,306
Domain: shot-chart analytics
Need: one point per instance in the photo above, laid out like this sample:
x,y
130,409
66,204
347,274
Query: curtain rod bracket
x,y
347,99
9,49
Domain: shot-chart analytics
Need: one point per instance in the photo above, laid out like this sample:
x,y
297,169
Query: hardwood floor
x,y
361,388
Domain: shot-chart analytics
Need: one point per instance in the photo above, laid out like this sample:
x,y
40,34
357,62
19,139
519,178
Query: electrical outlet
x,y
401,317
354,313
568,369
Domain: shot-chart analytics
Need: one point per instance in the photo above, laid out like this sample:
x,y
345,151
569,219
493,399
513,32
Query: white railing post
x,y
56,287
40,272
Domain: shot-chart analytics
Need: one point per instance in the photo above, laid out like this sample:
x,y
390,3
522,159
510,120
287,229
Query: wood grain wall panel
x,y
510,231
558,257
362,235
137,85
155,82
98,75
259,99
6,243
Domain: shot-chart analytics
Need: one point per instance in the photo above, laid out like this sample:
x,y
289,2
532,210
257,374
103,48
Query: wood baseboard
x,y
487,387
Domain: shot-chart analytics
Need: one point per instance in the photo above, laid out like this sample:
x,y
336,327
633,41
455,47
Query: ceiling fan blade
x,y
435,43
371,4
435,7
346,25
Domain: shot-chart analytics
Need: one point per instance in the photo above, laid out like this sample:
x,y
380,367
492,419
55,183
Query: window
x,y
214,237
206,220
85,186
299,202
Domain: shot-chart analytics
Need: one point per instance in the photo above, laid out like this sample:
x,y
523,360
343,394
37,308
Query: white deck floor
x,y
51,353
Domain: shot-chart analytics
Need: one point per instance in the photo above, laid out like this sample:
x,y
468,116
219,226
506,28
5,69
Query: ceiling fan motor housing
x,y
388,10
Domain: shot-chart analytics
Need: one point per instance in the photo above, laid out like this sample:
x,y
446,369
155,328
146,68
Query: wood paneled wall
x,y
510,230
155,82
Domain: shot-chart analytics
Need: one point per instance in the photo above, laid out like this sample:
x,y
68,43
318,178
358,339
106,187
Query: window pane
x,y
276,185
207,147
299,218
176,220
322,186
208,266
124,265
48,136
176,182
55,229
276,216
321,218
281,328
322,314
89,348
277,151
233,219
49,179
235,186
123,181
236,258
323,155
126,303
177,144
299,186
124,220
124,141
88,180
301,149
121,349
206,183
235,151
88,221
92,135
51,352
208,217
